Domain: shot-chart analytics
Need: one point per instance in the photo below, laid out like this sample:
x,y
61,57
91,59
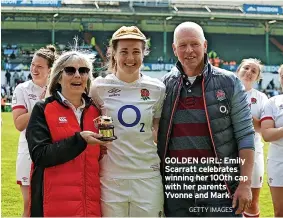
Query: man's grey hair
x,y
189,25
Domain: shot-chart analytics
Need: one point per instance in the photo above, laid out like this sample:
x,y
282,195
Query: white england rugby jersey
x,y
273,110
257,101
25,96
132,107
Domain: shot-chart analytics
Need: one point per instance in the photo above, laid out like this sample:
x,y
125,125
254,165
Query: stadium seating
x,y
228,47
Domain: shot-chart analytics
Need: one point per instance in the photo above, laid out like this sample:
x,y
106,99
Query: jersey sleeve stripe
x,y
266,118
19,107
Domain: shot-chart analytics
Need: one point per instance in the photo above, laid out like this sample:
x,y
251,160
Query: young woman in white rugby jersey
x,y
272,131
24,98
131,183
249,72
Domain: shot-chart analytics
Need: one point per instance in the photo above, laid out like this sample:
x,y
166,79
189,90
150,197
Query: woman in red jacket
x,y
63,144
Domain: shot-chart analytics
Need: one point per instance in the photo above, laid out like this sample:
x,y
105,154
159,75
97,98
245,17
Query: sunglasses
x,y
70,71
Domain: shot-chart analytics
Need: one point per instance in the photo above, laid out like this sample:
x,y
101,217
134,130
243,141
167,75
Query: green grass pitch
x,y
11,196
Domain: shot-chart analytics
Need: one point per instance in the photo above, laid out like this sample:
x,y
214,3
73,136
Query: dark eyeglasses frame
x,y
70,71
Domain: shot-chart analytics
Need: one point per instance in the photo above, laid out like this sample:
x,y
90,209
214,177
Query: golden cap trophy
x,y
105,127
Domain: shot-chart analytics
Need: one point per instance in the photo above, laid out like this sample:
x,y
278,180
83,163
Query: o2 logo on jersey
x,y
137,120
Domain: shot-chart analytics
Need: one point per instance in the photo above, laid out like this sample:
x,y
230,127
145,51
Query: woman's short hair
x,y
65,60
255,61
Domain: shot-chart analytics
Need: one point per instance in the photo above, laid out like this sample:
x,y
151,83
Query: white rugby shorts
x,y
23,167
274,173
258,170
132,197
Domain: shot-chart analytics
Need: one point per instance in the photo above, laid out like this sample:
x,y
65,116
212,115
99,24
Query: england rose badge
x,y
145,94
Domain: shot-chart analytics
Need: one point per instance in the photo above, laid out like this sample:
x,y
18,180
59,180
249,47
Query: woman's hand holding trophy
x,y
92,138
105,128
